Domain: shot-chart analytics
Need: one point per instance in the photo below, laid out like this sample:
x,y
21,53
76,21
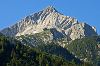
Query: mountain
x,y
55,34
50,18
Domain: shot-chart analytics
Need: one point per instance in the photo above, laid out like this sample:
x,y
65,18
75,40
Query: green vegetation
x,y
13,53
86,49
55,49
51,47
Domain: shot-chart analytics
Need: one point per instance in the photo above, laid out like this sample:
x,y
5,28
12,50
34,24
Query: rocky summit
x,y
50,18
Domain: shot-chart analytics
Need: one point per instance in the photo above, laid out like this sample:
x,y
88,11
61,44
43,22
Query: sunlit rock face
x,y
50,18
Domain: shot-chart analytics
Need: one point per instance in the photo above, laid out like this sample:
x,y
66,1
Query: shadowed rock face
x,y
56,34
89,30
50,18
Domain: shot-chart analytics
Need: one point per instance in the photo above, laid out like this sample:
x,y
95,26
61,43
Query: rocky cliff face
x,y
50,18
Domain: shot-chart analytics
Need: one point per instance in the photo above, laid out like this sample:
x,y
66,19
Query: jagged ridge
x,y
50,18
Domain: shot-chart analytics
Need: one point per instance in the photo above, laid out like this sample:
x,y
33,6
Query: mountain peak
x,y
50,9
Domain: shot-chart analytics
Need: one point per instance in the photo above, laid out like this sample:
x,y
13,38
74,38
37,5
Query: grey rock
x,y
50,18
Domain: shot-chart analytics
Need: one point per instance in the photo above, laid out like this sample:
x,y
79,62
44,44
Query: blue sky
x,y
11,11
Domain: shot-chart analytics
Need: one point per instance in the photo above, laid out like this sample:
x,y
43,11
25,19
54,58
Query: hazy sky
x,y
11,11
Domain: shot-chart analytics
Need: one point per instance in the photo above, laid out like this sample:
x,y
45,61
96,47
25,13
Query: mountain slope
x,y
87,49
44,42
13,53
